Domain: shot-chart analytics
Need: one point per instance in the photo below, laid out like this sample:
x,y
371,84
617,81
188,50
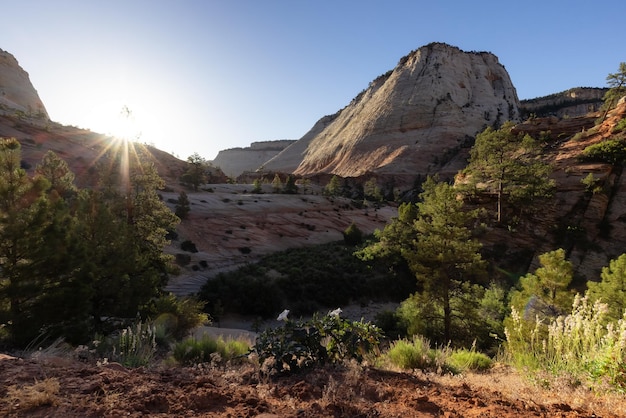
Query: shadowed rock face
x,y
428,106
16,90
236,161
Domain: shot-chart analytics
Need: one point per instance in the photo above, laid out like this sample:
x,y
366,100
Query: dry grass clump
x,y
40,393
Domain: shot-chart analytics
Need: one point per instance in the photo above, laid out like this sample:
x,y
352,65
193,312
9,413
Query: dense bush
x,y
305,279
301,345
612,151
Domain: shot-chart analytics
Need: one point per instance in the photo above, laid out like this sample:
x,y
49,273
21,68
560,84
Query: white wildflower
x,y
336,312
283,315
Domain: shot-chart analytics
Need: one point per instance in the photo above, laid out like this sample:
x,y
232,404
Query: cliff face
x,y
401,125
236,161
574,102
16,90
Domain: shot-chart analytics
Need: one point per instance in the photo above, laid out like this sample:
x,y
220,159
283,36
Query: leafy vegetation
x,y
208,349
304,280
100,248
300,345
612,151
509,166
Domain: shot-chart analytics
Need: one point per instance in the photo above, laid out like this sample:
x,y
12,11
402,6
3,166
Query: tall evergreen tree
x,y
32,247
445,259
509,165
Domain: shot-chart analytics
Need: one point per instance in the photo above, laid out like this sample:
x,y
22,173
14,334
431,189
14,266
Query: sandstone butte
x,y
16,90
406,120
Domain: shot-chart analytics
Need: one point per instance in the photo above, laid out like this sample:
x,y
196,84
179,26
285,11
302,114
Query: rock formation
x,y
236,161
16,90
571,103
435,100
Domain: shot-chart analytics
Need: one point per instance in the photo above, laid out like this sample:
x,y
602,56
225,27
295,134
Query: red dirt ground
x,y
60,387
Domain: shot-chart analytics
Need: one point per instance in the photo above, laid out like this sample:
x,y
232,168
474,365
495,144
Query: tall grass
x,y
208,349
582,344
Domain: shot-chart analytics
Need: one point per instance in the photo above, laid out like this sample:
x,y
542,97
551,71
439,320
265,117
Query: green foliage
x,y
545,293
509,165
621,126
277,184
183,205
134,346
463,360
445,259
304,280
257,186
57,172
580,345
372,191
177,315
397,235
353,235
612,151
208,349
333,188
196,173
617,83
290,185
591,184
414,354
100,249
299,345
611,290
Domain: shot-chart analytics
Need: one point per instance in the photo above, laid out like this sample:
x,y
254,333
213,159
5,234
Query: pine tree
x,y
545,293
277,184
445,258
333,188
182,205
509,165
34,264
617,84
196,173
612,288
290,185
58,173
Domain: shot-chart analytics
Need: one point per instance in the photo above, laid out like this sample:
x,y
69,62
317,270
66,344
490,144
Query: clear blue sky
x,y
205,75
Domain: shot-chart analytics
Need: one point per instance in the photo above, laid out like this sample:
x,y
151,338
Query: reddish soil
x,y
351,391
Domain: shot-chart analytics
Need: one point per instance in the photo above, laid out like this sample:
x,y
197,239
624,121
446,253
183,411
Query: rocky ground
x,y
51,386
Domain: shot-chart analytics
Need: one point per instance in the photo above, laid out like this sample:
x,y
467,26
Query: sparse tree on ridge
x,y
617,88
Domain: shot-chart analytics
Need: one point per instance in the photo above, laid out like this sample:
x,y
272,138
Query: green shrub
x,y
462,360
621,125
414,354
134,346
353,235
208,349
580,344
177,315
612,151
301,345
